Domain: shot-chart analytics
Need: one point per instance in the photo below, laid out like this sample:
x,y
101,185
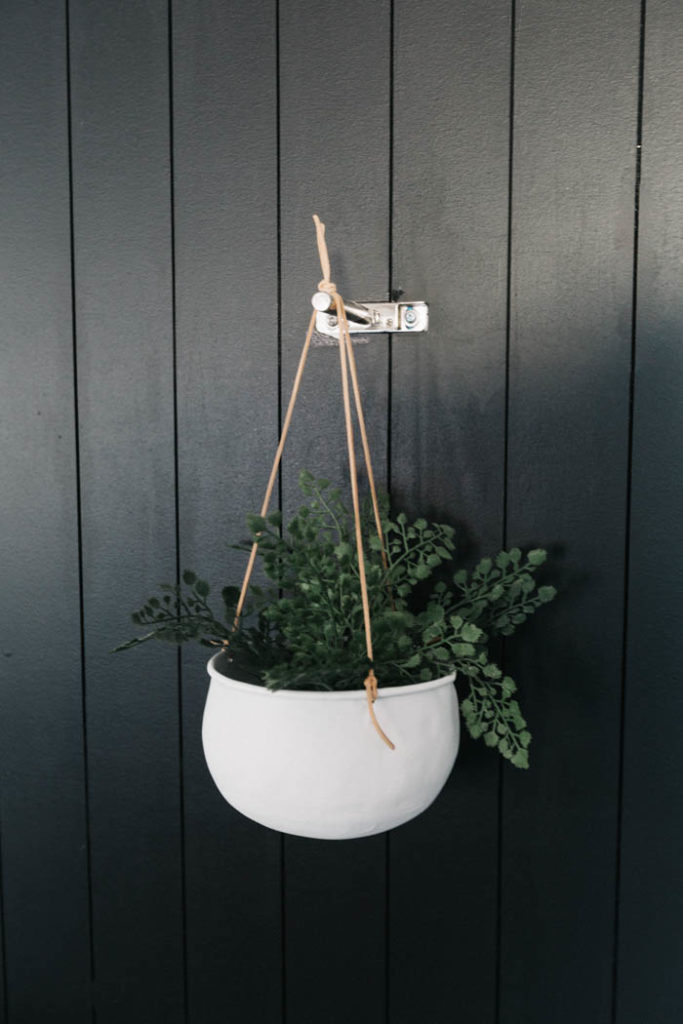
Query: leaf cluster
x,y
304,630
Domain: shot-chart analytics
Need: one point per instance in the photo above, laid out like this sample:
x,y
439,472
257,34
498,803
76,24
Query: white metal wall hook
x,y
371,317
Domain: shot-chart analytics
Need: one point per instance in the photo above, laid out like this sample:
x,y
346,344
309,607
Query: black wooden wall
x,y
517,163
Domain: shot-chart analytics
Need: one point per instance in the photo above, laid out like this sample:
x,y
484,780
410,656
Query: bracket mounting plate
x,y
376,318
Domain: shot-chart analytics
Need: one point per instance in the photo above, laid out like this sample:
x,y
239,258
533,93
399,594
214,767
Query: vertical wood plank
x,y
334,137
576,89
226,258
121,188
650,981
452,78
41,731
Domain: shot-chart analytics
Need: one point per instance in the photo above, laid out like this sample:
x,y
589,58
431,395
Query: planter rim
x,y
359,694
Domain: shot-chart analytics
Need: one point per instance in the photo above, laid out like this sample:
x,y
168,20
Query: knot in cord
x,y
327,286
371,691
371,685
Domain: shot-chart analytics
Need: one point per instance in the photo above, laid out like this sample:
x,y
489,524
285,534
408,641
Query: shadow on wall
x,y
566,487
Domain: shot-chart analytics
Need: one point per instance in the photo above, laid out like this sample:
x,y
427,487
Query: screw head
x,y
410,317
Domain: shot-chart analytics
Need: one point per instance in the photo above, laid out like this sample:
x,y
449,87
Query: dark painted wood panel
x,y
650,980
44,860
334,136
121,189
452,78
576,88
424,932
226,246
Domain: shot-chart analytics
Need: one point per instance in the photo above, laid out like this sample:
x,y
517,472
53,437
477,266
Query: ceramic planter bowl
x,y
311,764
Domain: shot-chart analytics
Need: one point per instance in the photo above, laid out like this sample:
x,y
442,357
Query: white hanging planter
x,y
310,763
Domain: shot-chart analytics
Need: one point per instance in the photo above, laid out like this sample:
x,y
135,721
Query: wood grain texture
x,y
576,89
452,81
334,137
226,266
44,863
650,982
122,222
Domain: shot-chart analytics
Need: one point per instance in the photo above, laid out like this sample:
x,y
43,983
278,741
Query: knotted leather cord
x,y
366,452
347,360
331,289
348,364
273,472
370,681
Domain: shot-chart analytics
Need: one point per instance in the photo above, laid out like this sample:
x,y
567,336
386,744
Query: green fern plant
x,y
304,630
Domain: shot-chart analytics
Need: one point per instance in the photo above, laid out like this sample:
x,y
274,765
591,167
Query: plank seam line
x,y
627,520
390,371
79,507
176,503
278,285
506,454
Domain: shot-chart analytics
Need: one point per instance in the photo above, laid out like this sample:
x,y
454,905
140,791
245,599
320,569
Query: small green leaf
x,y
520,759
492,671
189,577
537,556
202,588
256,524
